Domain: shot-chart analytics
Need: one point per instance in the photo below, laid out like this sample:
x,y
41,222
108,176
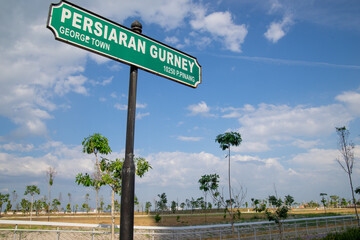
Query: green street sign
x,y
82,28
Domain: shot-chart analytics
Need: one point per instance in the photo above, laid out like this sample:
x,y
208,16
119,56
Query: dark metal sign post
x,y
128,171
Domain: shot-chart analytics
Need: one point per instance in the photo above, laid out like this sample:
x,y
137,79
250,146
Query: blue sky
x,y
283,74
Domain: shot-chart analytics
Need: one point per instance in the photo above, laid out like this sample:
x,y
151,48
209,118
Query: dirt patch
x,y
176,219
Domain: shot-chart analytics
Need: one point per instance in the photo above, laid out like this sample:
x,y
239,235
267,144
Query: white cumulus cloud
x,y
222,27
278,30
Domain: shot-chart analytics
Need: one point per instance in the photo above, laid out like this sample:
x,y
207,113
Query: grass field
x,y
179,218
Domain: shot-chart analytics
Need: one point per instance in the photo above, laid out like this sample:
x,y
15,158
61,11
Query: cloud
x,y
221,26
17,147
281,122
277,30
278,61
189,139
252,147
113,95
178,169
167,14
120,106
99,59
352,100
103,82
320,159
34,69
142,115
306,144
68,161
71,83
171,40
200,109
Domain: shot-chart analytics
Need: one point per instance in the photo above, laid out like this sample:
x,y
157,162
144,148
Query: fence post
x,y
327,229
255,232
307,230
92,235
15,232
58,234
296,233
335,226
270,230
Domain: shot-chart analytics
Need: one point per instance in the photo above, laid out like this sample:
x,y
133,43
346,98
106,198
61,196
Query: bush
x,y
351,233
157,218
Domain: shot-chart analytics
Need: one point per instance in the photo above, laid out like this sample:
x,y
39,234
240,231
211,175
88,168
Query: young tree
x,y
147,207
323,200
182,205
25,205
210,183
8,207
76,208
161,204
50,175
95,144
68,208
279,214
32,190
334,200
85,206
111,172
55,204
3,198
343,202
258,206
117,206
101,208
38,204
346,148
173,206
289,200
227,140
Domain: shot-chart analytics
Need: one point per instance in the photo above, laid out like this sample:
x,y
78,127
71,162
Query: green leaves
x,y
111,173
142,166
281,211
32,189
4,198
228,139
84,180
96,143
209,182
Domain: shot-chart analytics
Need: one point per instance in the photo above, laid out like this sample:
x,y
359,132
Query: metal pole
x,y
128,171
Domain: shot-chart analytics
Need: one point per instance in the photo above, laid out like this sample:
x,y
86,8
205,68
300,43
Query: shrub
x,y
351,233
157,218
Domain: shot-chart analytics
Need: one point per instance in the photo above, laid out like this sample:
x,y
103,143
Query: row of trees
x,y
108,172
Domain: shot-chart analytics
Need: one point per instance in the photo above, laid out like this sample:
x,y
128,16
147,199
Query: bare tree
x,y
50,176
346,148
